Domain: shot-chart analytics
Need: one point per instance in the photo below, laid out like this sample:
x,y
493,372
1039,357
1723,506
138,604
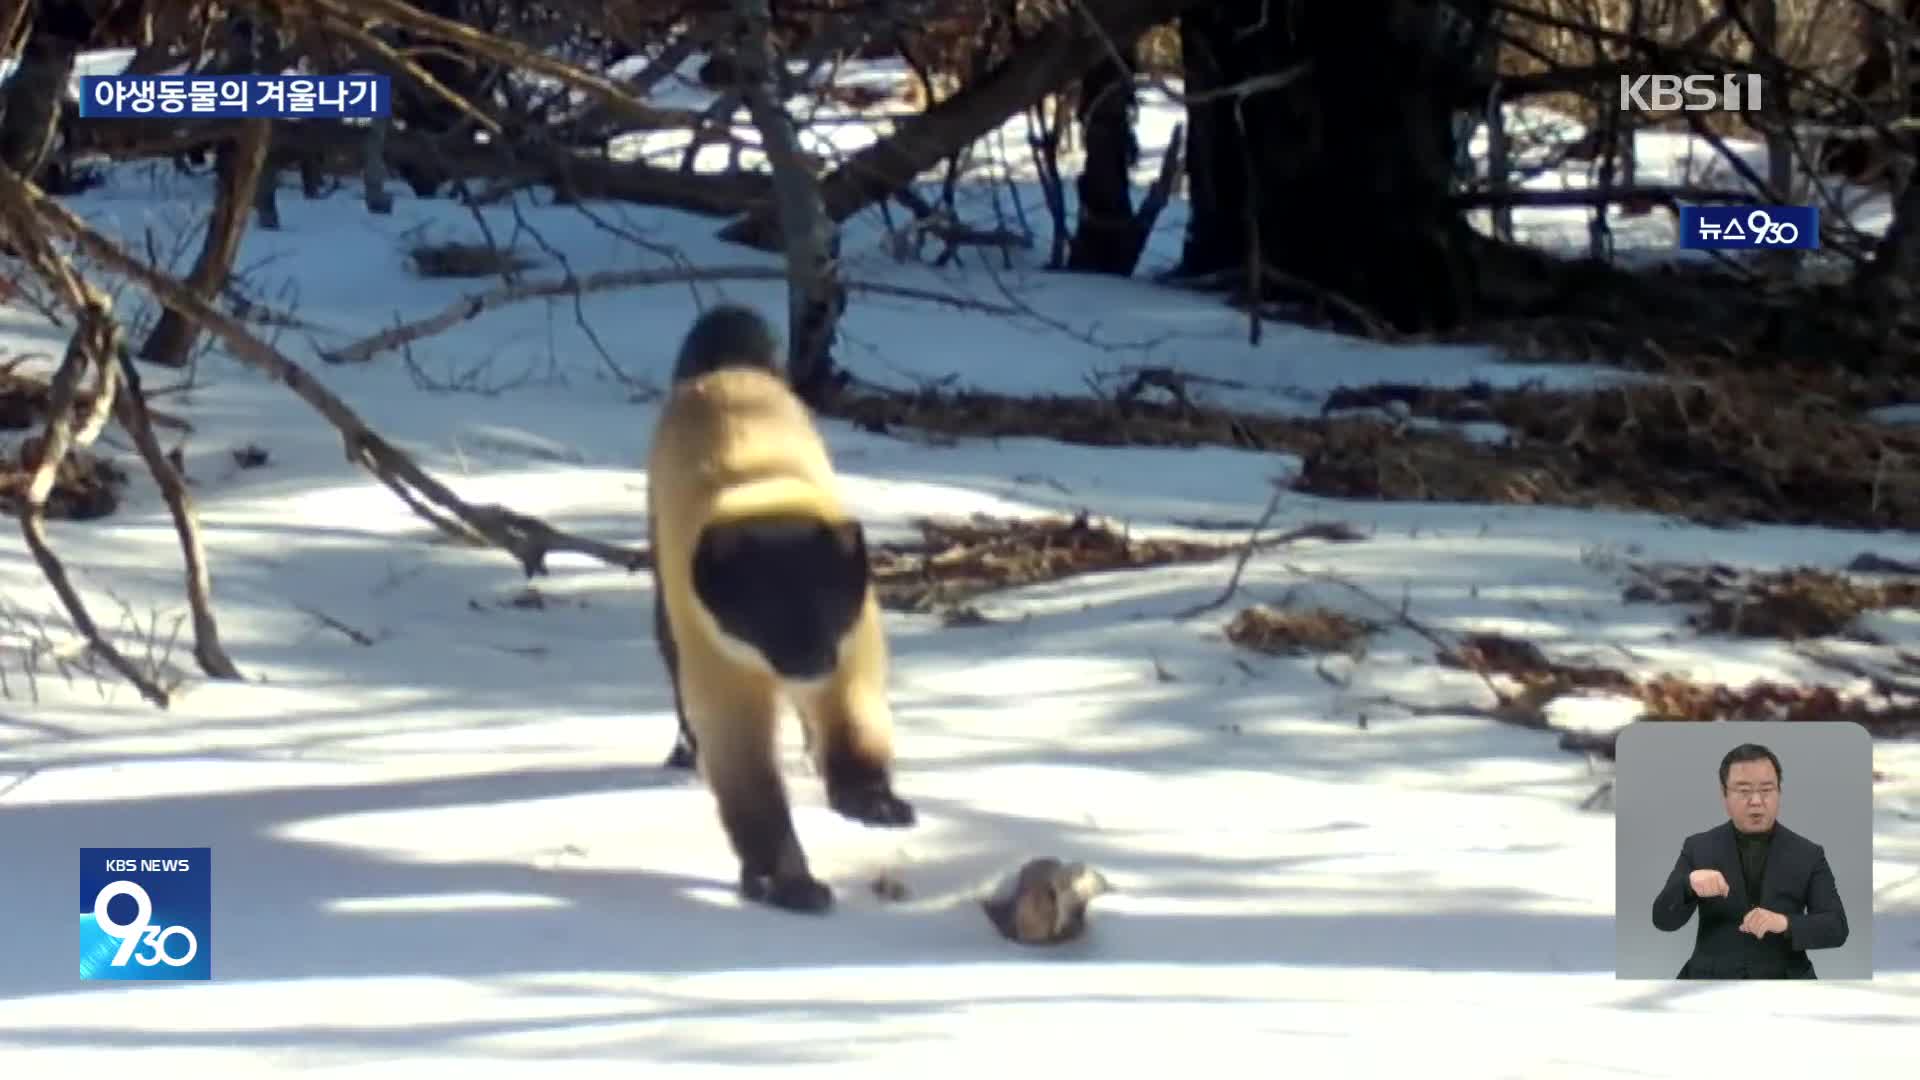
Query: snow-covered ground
x,y
454,845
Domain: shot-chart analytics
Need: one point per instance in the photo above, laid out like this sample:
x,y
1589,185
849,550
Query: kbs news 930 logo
x,y
146,913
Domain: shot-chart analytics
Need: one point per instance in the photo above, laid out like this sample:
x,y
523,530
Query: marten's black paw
x,y
682,757
872,804
802,894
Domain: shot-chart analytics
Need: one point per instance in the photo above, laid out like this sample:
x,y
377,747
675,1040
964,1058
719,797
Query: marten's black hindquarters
x,y
792,588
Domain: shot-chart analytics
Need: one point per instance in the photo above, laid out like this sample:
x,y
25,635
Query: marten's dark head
x,y
728,336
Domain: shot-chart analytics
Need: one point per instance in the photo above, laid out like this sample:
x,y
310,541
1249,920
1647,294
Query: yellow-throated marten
x,y
762,591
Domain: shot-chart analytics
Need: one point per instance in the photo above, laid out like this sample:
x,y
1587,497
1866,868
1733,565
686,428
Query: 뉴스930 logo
x,y
1777,228
145,913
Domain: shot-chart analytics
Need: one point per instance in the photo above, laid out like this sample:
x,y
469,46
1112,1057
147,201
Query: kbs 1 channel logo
x,y
146,913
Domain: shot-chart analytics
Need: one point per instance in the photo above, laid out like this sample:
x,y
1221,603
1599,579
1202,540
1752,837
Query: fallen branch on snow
x,y
131,410
90,341
477,304
1403,617
1332,531
1239,564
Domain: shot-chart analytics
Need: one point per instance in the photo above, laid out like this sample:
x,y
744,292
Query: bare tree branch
x,y
477,304
499,50
1239,564
347,29
91,343
130,409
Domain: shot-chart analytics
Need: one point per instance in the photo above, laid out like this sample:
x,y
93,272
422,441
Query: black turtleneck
x,y
1753,860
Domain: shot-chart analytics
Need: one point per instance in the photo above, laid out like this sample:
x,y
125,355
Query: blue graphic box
x,y
146,913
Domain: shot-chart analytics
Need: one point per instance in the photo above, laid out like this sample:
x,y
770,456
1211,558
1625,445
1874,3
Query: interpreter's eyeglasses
x,y
1746,792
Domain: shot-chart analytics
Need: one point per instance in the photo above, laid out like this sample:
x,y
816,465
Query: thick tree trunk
x,y
1890,284
1105,238
1216,179
1341,177
1765,18
373,168
1865,158
239,166
815,298
33,99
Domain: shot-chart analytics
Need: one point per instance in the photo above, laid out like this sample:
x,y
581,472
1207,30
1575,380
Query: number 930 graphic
x,y
1768,231
139,931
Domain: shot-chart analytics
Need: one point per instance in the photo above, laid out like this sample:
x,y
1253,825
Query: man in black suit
x,y
1764,892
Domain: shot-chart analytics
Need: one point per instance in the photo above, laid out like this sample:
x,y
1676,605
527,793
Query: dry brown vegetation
x,y
1795,604
1773,448
1526,682
1725,449
86,486
959,560
1290,631
457,259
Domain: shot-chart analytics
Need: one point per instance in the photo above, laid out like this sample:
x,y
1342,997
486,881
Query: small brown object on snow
x,y
1045,902
887,886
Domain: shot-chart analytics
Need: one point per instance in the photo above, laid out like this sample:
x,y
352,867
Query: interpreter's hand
x,y
1760,922
1708,883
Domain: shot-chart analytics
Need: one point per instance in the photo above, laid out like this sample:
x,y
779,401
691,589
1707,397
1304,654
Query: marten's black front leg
x,y
684,754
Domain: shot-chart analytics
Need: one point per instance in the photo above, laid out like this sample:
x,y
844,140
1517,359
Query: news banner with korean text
x,y
1750,228
214,97
146,913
